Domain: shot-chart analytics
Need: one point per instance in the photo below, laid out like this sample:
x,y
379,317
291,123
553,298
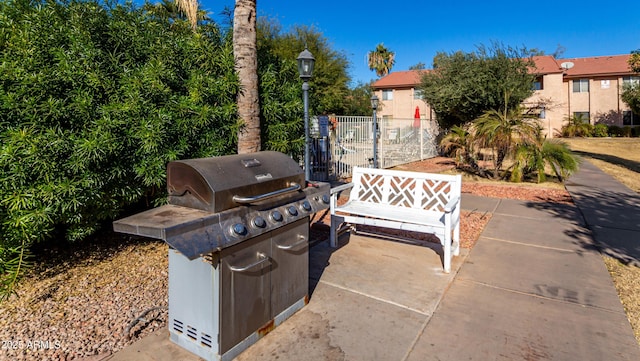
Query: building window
x,y
631,80
581,86
417,94
630,118
584,116
387,94
538,84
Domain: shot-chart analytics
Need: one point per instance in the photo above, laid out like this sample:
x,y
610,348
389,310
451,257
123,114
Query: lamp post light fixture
x,y
306,62
374,106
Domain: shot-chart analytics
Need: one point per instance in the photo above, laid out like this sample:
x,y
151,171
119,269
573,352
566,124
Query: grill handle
x,y
263,259
261,197
302,240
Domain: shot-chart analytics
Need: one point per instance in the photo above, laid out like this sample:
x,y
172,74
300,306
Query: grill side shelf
x,y
166,222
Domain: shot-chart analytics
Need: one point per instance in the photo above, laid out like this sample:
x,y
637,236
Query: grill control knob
x,y
306,206
325,198
239,229
259,222
276,216
292,210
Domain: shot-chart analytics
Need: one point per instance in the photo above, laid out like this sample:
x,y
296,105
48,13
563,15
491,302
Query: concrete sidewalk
x,y
534,287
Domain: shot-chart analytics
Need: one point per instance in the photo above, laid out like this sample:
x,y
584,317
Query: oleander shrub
x,y
627,131
600,130
615,131
95,99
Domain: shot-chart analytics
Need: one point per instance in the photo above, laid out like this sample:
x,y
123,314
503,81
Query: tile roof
x,y
399,79
598,66
545,64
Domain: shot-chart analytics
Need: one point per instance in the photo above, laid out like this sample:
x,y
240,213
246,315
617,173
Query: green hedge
x,y
94,101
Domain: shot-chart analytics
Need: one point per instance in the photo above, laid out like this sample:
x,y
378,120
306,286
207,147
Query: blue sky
x,y
416,30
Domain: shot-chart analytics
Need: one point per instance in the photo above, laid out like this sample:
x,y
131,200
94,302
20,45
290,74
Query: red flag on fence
x,y
416,118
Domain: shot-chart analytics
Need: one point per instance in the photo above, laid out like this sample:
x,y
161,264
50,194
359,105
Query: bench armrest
x,y
340,188
452,204
335,193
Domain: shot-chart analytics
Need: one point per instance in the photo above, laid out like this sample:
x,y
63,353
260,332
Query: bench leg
x,y
447,253
336,221
456,240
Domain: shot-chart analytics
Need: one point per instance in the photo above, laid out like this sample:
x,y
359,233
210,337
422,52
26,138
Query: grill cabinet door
x,y
245,300
290,275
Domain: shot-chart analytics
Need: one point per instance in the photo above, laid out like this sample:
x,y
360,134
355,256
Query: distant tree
x,y
577,126
560,50
358,101
631,92
556,54
419,66
329,84
381,60
634,61
463,86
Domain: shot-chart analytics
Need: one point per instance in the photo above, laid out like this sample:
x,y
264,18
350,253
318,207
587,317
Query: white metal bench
x,y
412,201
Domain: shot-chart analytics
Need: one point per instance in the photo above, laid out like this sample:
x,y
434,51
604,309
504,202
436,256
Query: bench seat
x,y
412,201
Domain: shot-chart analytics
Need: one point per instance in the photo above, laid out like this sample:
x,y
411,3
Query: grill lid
x,y
220,183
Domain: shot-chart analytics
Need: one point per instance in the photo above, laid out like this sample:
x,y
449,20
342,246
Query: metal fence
x,y
350,141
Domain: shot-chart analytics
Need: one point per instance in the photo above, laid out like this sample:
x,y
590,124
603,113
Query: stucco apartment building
x,y
587,86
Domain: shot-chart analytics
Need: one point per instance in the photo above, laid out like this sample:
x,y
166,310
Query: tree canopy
x,y
463,86
329,83
631,92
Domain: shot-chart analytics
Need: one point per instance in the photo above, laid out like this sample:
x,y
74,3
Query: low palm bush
x,y
518,149
577,126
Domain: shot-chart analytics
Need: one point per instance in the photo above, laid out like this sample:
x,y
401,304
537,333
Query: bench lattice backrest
x,y
404,189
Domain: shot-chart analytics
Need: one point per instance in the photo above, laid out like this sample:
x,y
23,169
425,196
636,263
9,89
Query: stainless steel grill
x,y
238,231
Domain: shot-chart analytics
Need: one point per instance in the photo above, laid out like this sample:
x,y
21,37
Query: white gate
x,y
400,141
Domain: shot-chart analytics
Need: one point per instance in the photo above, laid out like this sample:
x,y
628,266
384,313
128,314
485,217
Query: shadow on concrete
x,y
610,218
320,251
614,219
319,254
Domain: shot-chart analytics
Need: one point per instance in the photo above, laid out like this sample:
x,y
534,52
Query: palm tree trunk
x,y
246,59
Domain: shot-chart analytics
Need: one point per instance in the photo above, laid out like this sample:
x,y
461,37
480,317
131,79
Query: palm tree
x,y
178,10
189,8
535,157
577,126
246,58
381,60
458,142
504,132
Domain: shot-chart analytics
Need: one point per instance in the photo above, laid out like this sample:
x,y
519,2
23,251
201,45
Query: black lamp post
x,y
305,67
374,106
